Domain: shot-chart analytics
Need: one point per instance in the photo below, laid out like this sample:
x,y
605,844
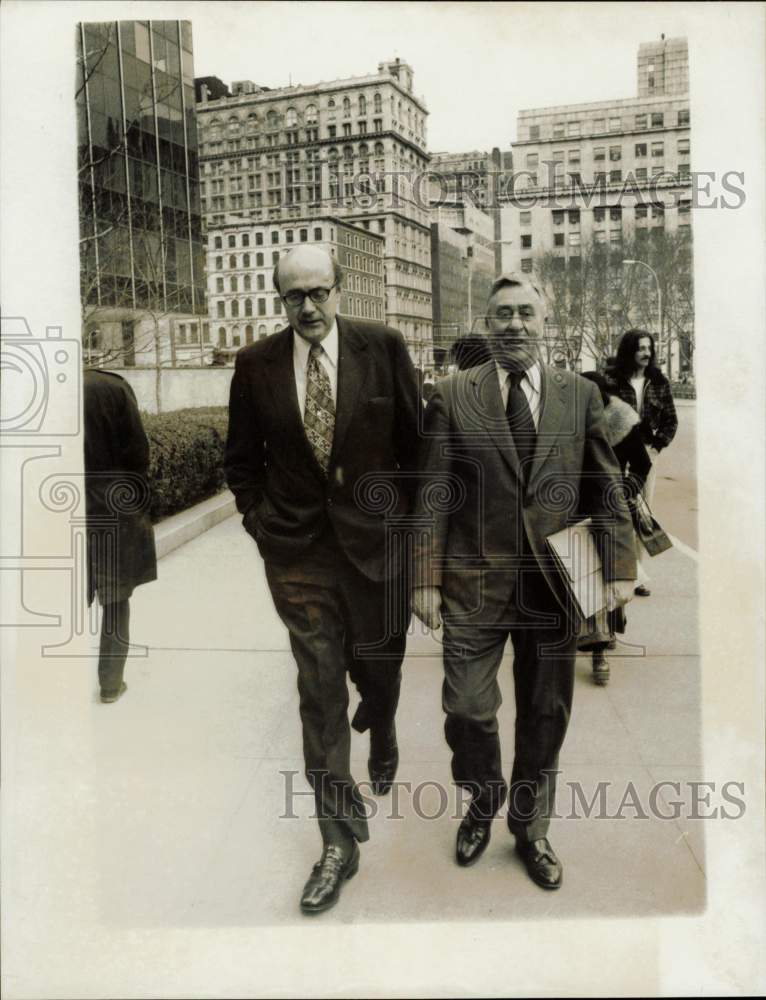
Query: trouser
x,y
113,645
339,621
543,672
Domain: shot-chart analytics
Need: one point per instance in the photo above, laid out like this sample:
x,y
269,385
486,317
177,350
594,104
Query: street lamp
x,y
659,301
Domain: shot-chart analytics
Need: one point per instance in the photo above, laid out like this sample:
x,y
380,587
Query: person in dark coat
x,y
623,432
120,537
641,384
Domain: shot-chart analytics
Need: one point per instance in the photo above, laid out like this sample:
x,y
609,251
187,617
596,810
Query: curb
x,y
175,531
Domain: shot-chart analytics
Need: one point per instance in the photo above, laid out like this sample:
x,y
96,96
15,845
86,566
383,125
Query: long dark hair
x,y
625,362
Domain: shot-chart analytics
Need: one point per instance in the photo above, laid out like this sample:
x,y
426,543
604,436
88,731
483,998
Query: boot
x,y
600,668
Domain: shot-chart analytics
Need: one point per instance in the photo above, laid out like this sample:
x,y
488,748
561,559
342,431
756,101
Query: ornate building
x,y
352,149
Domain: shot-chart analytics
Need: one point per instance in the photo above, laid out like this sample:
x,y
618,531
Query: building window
x,y
234,309
275,257
248,334
658,119
658,150
246,240
259,239
558,217
615,124
574,239
219,285
232,240
615,235
232,261
599,125
640,173
277,306
558,239
303,235
573,155
275,236
526,241
532,160
683,170
558,130
221,336
599,153
599,214
615,153
526,264
318,233
615,213
260,282
684,213
219,263
288,236
642,121
247,282
205,333
248,307
573,129
683,147
574,216
640,150
658,211
525,218
220,310
218,242
683,116
261,307
641,211
534,132
615,176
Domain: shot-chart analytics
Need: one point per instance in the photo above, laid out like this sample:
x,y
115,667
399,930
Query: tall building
x,y
245,306
353,149
613,172
462,272
142,262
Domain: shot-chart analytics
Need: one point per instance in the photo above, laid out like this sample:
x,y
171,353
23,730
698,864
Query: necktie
x,y
319,414
520,421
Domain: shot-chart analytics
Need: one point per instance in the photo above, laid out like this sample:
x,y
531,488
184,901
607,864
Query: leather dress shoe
x,y
327,877
540,860
642,591
472,839
107,697
383,761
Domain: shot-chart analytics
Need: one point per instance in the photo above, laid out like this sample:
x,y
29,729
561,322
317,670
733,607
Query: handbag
x,y
648,529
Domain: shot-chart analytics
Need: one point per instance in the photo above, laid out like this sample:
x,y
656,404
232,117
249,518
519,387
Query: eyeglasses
x,y
296,297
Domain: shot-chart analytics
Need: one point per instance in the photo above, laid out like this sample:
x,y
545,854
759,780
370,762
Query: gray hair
x,y
514,279
337,271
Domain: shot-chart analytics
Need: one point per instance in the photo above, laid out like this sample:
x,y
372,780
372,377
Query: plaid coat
x,y
658,413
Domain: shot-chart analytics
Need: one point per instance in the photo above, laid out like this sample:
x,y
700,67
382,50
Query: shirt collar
x,y
532,374
302,347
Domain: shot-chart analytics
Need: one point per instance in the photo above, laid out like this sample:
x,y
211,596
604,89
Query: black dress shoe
x,y
472,839
327,877
383,761
361,720
108,697
642,591
542,865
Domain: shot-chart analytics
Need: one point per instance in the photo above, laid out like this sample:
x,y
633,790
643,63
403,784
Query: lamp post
x,y
659,304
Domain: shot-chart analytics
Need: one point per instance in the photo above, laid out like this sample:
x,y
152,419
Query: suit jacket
x,y
278,484
475,507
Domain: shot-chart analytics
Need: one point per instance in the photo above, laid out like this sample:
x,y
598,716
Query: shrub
x,y
186,457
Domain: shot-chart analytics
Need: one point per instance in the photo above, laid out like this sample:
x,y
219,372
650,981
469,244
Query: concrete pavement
x,y
166,810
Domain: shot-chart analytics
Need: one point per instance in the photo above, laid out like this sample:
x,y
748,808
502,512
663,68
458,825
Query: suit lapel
x,y
353,367
281,384
489,404
554,407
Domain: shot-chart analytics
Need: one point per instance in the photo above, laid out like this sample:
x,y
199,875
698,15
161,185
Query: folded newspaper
x,y
579,564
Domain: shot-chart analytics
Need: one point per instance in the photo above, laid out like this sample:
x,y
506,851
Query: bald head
x,y
305,270
302,257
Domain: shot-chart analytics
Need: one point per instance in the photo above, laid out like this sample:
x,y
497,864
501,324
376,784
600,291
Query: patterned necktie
x,y
319,414
520,421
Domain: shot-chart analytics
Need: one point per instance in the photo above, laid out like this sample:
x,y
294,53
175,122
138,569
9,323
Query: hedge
x,y
186,457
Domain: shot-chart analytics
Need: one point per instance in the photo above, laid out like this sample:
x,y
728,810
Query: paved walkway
x,y
162,813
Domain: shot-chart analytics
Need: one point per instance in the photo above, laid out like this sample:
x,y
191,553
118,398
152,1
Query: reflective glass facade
x,y
140,229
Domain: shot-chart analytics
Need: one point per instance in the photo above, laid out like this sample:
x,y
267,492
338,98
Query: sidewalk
x,y
163,811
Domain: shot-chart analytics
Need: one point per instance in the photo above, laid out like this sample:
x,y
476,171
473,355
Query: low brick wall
x,y
179,387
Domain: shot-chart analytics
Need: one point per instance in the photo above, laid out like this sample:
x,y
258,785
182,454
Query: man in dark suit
x,y
514,451
120,536
323,426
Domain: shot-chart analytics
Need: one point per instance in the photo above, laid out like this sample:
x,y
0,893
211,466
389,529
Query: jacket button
x,y
330,501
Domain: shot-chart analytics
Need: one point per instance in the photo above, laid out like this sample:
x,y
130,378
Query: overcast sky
x,y
476,64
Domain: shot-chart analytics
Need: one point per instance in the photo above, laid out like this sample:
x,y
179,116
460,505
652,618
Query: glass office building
x,y
140,229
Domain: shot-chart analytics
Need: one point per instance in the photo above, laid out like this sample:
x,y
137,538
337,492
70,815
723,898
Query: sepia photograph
x,y
382,556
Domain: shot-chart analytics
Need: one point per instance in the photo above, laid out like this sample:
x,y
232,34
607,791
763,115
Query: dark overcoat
x,y
121,552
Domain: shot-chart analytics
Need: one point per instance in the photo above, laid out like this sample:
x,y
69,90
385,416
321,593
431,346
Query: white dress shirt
x,y
328,359
531,383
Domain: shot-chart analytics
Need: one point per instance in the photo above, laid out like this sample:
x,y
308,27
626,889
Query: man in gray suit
x,y
514,451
